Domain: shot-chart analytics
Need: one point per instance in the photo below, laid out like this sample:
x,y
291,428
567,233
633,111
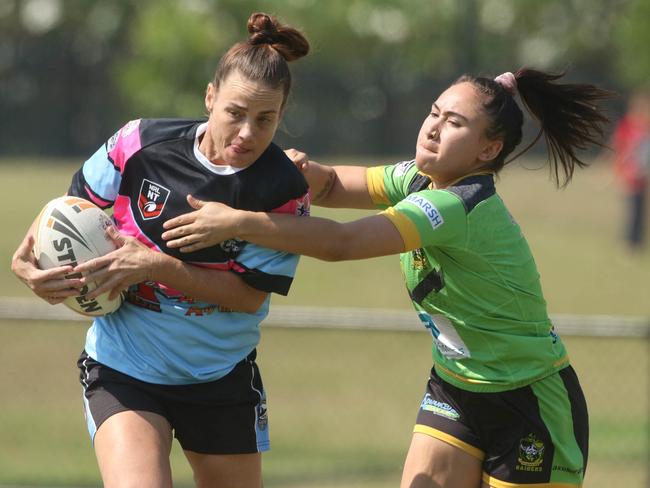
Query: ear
x,y
210,96
491,150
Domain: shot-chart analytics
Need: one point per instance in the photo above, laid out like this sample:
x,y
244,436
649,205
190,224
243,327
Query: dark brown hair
x,y
265,55
569,114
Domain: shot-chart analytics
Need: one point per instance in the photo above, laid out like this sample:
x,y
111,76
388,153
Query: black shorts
x,y
226,416
537,434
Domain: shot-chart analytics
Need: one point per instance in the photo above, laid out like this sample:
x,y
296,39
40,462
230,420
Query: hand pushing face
x,y
244,116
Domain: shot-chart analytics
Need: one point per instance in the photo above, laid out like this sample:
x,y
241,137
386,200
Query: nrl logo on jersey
x,y
152,199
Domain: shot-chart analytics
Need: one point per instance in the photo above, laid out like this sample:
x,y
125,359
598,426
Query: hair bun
x,y
287,41
263,29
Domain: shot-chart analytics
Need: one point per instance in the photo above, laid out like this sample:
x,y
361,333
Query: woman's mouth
x,y
237,149
430,147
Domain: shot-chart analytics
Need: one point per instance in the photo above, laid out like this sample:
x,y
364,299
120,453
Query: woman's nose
x,y
246,131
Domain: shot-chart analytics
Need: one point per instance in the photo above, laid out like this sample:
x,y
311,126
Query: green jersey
x,y
472,279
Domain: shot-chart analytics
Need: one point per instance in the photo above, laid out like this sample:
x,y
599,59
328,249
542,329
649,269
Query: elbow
x,y
334,254
254,303
339,248
251,308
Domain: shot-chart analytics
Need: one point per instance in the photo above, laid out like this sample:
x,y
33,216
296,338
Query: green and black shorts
x,y
535,435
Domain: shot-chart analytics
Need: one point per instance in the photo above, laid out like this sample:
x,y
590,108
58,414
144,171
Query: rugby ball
x,y
70,231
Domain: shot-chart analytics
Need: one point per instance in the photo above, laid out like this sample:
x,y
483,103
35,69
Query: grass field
x,y
342,403
341,406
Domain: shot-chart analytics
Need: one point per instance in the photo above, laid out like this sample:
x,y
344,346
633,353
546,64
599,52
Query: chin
x,y
422,162
240,160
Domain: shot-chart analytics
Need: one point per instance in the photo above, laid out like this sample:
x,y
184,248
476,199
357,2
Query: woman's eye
x,y
454,123
434,115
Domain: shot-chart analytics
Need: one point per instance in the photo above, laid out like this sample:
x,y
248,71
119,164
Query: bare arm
x,y
334,186
133,263
320,238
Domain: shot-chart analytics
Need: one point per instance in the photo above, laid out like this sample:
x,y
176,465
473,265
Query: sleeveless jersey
x,y
471,278
144,172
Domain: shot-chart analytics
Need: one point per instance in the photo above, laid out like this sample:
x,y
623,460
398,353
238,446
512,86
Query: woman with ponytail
x,y
177,359
502,407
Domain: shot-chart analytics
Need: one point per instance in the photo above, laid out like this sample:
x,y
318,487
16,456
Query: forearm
x,y
320,238
213,286
338,186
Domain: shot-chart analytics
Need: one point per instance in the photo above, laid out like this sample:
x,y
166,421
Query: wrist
x,y
241,224
156,267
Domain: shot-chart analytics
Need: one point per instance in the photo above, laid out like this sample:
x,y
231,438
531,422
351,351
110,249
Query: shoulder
x,y
274,161
158,130
137,134
271,181
473,190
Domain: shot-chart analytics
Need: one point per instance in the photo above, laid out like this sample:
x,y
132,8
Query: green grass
x,y
341,406
342,403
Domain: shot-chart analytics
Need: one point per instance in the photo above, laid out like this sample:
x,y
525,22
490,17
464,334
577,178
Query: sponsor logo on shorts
x,y
566,469
531,454
262,415
428,208
439,408
403,167
152,199
232,247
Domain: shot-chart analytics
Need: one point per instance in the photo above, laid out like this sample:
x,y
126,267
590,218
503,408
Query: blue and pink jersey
x,y
144,172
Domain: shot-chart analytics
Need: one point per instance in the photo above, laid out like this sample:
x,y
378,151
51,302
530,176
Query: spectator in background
x,y
632,164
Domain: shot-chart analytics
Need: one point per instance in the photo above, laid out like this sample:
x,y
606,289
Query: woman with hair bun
x,y
502,407
177,359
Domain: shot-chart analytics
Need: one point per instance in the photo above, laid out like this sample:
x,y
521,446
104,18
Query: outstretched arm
x,y
133,263
316,237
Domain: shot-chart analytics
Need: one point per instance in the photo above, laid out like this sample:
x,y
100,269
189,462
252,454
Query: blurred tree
x,y
174,48
632,38
72,70
56,93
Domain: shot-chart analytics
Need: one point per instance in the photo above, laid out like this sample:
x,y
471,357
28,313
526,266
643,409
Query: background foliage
x,y
72,71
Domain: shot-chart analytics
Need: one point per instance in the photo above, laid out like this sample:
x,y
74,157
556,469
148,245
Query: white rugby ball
x,y
70,231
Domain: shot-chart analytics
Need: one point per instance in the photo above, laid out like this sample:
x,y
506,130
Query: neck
x,y
207,148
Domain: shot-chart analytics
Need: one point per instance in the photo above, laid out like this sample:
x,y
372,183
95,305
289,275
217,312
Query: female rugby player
x,y
503,407
178,358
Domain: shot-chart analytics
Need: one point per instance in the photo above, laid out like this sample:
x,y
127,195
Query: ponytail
x,y
570,116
